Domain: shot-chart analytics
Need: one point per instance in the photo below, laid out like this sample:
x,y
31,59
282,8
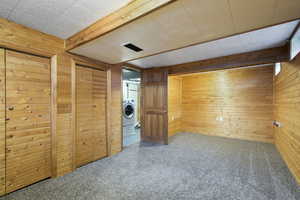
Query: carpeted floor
x,y
191,167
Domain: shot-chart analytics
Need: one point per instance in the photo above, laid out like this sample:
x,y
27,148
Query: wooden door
x,y
27,120
155,106
2,122
90,115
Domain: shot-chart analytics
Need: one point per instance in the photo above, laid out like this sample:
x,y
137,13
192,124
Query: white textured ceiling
x,y
188,22
252,41
61,18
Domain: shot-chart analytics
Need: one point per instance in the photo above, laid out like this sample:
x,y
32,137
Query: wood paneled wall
x,y
114,109
63,81
2,122
232,103
174,104
287,112
21,38
62,134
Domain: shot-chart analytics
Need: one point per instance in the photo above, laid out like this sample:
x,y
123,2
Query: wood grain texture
x,y
266,56
99,90
154,119
242,97
64,140
85,61
53,115
28,142
287,112
21,38
2,122
174,104
114,109
90,115
124,15
74,119
65,118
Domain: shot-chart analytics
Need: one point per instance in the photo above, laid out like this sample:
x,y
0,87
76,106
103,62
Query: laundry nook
x,y
131,106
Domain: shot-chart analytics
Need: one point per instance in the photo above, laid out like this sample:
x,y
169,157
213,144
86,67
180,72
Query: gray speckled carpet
x,y
191,167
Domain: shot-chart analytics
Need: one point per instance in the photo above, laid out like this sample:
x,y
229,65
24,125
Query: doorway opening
x,y
131,106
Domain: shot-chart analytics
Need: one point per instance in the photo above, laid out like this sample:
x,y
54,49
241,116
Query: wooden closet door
x,y
2,122
155,106
27,120
90,115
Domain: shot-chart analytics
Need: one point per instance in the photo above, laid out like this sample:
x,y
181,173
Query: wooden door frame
x,y
3,187
53,113
129,67
74,63
53,104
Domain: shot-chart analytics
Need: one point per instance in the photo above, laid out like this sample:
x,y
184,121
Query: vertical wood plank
x,y
61,115
114,109
64,135
2,122
73,96
53,115
108,111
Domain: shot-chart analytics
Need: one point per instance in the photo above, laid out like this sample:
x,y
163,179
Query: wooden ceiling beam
x,y
267,56
126,14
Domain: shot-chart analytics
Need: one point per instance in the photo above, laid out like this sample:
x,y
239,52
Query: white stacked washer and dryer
x,y
130,109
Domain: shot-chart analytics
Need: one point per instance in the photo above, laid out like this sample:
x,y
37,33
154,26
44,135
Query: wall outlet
x,y
172,118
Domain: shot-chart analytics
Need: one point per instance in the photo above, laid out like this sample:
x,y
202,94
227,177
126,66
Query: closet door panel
x,y
2,122
28,120
90,115
84,116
